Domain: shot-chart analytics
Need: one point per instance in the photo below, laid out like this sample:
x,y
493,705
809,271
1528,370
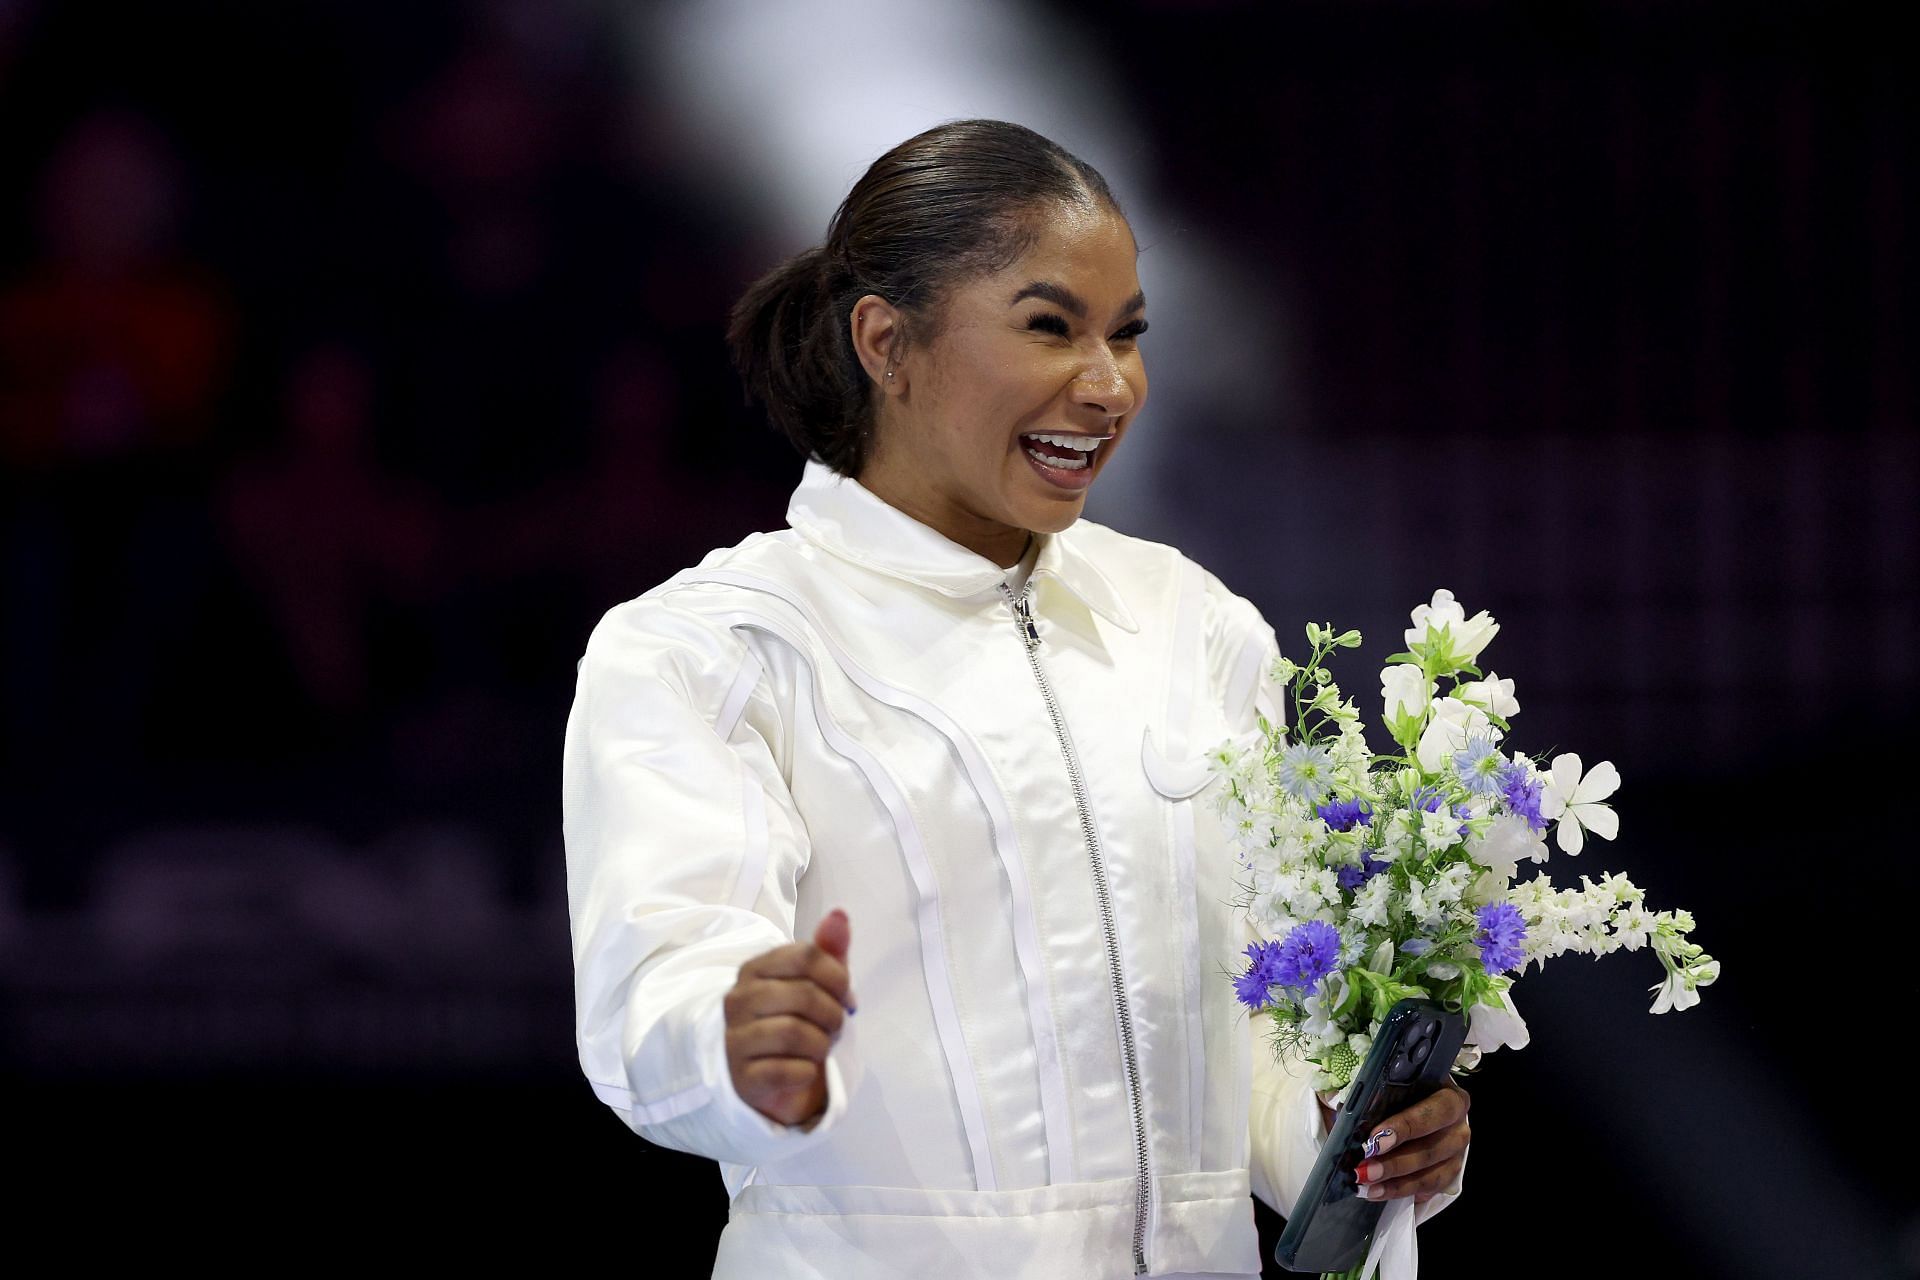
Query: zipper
x,y
1030,638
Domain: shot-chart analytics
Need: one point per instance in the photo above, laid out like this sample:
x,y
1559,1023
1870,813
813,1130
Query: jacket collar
x,y
846,518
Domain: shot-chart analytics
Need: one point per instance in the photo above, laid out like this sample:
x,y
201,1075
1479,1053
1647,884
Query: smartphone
x,y
1331,1227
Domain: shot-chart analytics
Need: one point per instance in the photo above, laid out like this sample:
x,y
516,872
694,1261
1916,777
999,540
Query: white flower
x,y
1371,904
1405,690
1493,693
1509,839
1446,734
1469,635
1350,751
1591,905
1679,991
1396,838
1361,1043
1439,828
1421,906
1575,801
1303,889
1490,1028
1620,888
1270,916
1674,993
1320,1028
1632,926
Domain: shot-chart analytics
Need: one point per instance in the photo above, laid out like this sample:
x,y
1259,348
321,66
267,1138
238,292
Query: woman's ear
x,y
877,330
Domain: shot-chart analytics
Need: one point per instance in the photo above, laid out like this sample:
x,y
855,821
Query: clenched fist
x,y
783,1014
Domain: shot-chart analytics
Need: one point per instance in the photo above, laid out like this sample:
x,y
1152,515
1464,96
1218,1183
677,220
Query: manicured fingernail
x,y
1373,1191
1380,1141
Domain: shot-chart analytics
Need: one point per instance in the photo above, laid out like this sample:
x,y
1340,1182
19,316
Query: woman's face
x,y
1048,346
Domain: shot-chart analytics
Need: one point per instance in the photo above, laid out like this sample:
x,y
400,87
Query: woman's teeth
x,y
1064,449
1065,464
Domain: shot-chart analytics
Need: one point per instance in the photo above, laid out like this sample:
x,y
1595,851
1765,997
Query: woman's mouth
x,y
1063,458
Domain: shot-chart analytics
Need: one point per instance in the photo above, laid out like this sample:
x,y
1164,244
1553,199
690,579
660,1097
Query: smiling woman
x,y
998,426
976,286
936,752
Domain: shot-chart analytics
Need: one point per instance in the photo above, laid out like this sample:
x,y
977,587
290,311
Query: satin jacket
x,y
1048,1075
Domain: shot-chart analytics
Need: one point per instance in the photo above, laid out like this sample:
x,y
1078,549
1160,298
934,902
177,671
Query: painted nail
x,y
1361,1173
1373,1191
1378,1142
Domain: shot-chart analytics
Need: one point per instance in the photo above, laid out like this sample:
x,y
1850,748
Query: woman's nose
x,y
1103,385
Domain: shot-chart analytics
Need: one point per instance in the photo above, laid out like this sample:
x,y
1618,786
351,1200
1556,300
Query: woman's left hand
x,y
1419,1152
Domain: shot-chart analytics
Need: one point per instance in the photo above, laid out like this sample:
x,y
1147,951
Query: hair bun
x,y
947,205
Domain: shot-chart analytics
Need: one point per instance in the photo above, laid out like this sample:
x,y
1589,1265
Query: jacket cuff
x,y
1289,1131
752,1137
714,1121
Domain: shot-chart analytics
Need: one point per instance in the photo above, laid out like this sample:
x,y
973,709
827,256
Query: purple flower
x,y
1522,794
1263,970
1429,798
1462,812
1344,815
1352,877
1502,930
1309,953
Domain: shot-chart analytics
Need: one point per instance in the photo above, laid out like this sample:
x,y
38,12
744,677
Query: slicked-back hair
x,y
962,200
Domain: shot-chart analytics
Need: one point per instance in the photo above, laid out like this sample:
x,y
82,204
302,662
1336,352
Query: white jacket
x,y
850,713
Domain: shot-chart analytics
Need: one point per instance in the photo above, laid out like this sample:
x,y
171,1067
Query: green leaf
x,y
1406,729
1403,657
1355,987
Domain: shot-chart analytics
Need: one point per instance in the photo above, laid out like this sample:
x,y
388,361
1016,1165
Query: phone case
x,y
1331,1227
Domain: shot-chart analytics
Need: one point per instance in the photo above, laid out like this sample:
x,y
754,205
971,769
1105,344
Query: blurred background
x,y
356,357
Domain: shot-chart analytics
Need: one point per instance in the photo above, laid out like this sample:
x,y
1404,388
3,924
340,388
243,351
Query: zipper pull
x,y
1023,618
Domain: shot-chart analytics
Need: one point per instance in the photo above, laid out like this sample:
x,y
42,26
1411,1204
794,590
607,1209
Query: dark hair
x,y
962,200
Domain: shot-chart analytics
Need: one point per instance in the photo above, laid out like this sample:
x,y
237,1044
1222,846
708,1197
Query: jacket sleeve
x,y
1286,1130
683,847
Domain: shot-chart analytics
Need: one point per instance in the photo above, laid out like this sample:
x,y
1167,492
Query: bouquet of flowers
x,y
1369,878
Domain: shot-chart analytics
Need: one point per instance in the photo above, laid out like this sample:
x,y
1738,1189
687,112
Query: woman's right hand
x,y
783,1014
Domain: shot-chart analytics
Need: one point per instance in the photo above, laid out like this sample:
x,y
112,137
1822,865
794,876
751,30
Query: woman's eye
x,y
1048,323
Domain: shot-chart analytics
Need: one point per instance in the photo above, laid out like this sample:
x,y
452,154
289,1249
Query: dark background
x,y
355,358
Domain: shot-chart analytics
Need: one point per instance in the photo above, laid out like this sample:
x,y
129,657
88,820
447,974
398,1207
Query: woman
x,y
935,754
